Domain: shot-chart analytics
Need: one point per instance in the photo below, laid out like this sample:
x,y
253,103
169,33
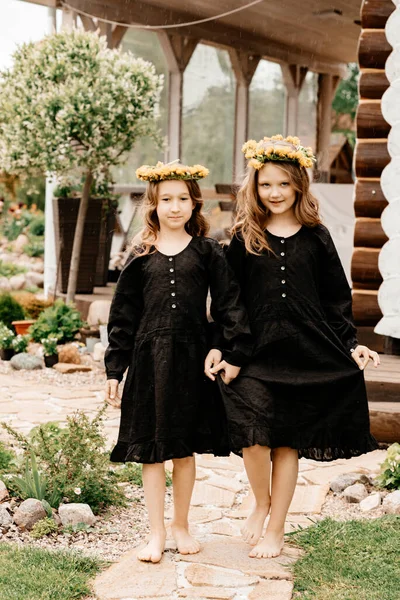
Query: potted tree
x,y
50,351
77,108
6,340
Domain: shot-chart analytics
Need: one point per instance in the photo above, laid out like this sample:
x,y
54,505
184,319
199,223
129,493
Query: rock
x,y
200,575
75,513
371,502
35,349
98,352
19,244
38,267
28,513
26,361
3,491
66,368
99,312
5,285
34,279
5,519
347,479
391,503
17,282
355,493
69,354
273,590
56,517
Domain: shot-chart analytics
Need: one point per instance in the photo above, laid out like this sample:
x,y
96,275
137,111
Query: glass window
x,y
307,123
267,101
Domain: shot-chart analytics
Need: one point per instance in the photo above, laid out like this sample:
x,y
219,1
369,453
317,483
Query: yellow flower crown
x,y
277,148
173,170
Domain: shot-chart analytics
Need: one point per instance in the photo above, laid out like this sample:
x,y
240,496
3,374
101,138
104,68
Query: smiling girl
x,y
303,393
158,328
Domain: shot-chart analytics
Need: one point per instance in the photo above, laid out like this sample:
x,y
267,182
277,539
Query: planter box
x,y
51,360
21,327
6,354
96,247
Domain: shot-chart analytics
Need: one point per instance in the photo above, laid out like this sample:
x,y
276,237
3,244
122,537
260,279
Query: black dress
x,y
302,389
158,327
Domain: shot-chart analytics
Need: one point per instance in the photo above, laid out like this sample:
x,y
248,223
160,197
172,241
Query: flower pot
x,y
6,353
21,327
51,360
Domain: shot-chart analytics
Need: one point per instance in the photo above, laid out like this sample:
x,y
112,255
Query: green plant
x,y
44,527
20,343
36,226
10,269
31,305
6,458
78,528
74,460
132,473
6,337
32,484
389,476
35,247
10,309
60,320
49,345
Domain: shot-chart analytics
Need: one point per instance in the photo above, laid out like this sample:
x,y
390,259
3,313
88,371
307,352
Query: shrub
x,y
44,527
132,473
50,346
389,476
6,458
31,305
10,269
10,309
6,337
36,226
74,461
60,320
20,343
35,247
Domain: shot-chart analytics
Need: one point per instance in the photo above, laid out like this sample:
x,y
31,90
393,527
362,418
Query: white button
x,y
283,280
170,259
282,241
173,305
171,270
173,294
282,268
172,281
282,254
283,295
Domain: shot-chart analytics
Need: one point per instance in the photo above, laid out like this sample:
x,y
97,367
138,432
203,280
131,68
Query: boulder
x,y
391,503
371,502
5,285
99,312
34,279
19,244
69,354
355,493
98,352
17,282
346,479
38,267
3,491
5,519
28,513
66,368
75,513
25,361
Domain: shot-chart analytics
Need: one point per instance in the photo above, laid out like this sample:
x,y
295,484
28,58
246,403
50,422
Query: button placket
x,y
283,267
172,282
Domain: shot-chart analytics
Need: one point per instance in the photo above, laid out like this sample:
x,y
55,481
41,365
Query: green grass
x,y
33,574
355,560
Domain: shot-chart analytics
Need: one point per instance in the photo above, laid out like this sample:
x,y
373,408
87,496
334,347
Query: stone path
x,y
221,500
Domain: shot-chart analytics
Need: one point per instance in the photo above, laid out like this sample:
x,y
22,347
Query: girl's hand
x,y
228,372
361,355
112,393
213,358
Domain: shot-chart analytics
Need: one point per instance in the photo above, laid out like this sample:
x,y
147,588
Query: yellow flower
x,y
256,164
276,137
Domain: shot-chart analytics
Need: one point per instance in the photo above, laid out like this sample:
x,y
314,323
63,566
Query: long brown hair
x,y
252,214
196,226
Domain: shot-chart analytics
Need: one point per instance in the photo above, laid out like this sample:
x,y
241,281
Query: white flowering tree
x,y
71,106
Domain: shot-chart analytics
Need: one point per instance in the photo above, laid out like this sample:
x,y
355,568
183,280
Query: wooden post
x,y
293,77
178,51
244,66
324,124
113,34
68,19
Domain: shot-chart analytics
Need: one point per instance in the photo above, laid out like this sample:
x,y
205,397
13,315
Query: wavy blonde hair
x,y
196,226
252,214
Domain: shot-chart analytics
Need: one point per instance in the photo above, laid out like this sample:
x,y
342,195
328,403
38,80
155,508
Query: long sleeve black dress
x,y
302,389
158,328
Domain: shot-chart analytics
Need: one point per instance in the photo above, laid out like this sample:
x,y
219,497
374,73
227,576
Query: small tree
x,y
71,106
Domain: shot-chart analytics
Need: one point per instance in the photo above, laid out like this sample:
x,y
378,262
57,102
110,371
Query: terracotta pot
x,y
6,354
51,360
21,327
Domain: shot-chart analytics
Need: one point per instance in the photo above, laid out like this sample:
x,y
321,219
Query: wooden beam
x,y
68,19
293,77
88,23
117,35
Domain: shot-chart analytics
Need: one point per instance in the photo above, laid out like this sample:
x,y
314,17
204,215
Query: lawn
x,y
33,574
353,560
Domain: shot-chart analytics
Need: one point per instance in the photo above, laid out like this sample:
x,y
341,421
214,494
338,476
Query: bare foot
x,y
154,549
270,546
253,526
185,542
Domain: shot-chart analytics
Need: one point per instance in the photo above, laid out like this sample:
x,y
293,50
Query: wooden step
x,y
383,387
385,421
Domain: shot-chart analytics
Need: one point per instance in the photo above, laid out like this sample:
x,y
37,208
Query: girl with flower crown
x,y
303,393
158,328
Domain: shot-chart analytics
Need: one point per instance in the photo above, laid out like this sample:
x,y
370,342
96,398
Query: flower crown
x,y
277,148
172,170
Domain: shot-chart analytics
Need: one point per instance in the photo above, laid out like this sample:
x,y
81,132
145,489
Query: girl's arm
x,y
228,311
124,319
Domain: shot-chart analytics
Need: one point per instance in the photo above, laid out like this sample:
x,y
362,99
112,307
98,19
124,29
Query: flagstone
x,y
207,592
198,574
234,555
205,494
214,463
61,393
224,473
76,403
272,590
40,417
225,483
131,578
370,461
29,395
247,501
199,514
308,499
201,474
328,474
238,514
225,527
7,408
